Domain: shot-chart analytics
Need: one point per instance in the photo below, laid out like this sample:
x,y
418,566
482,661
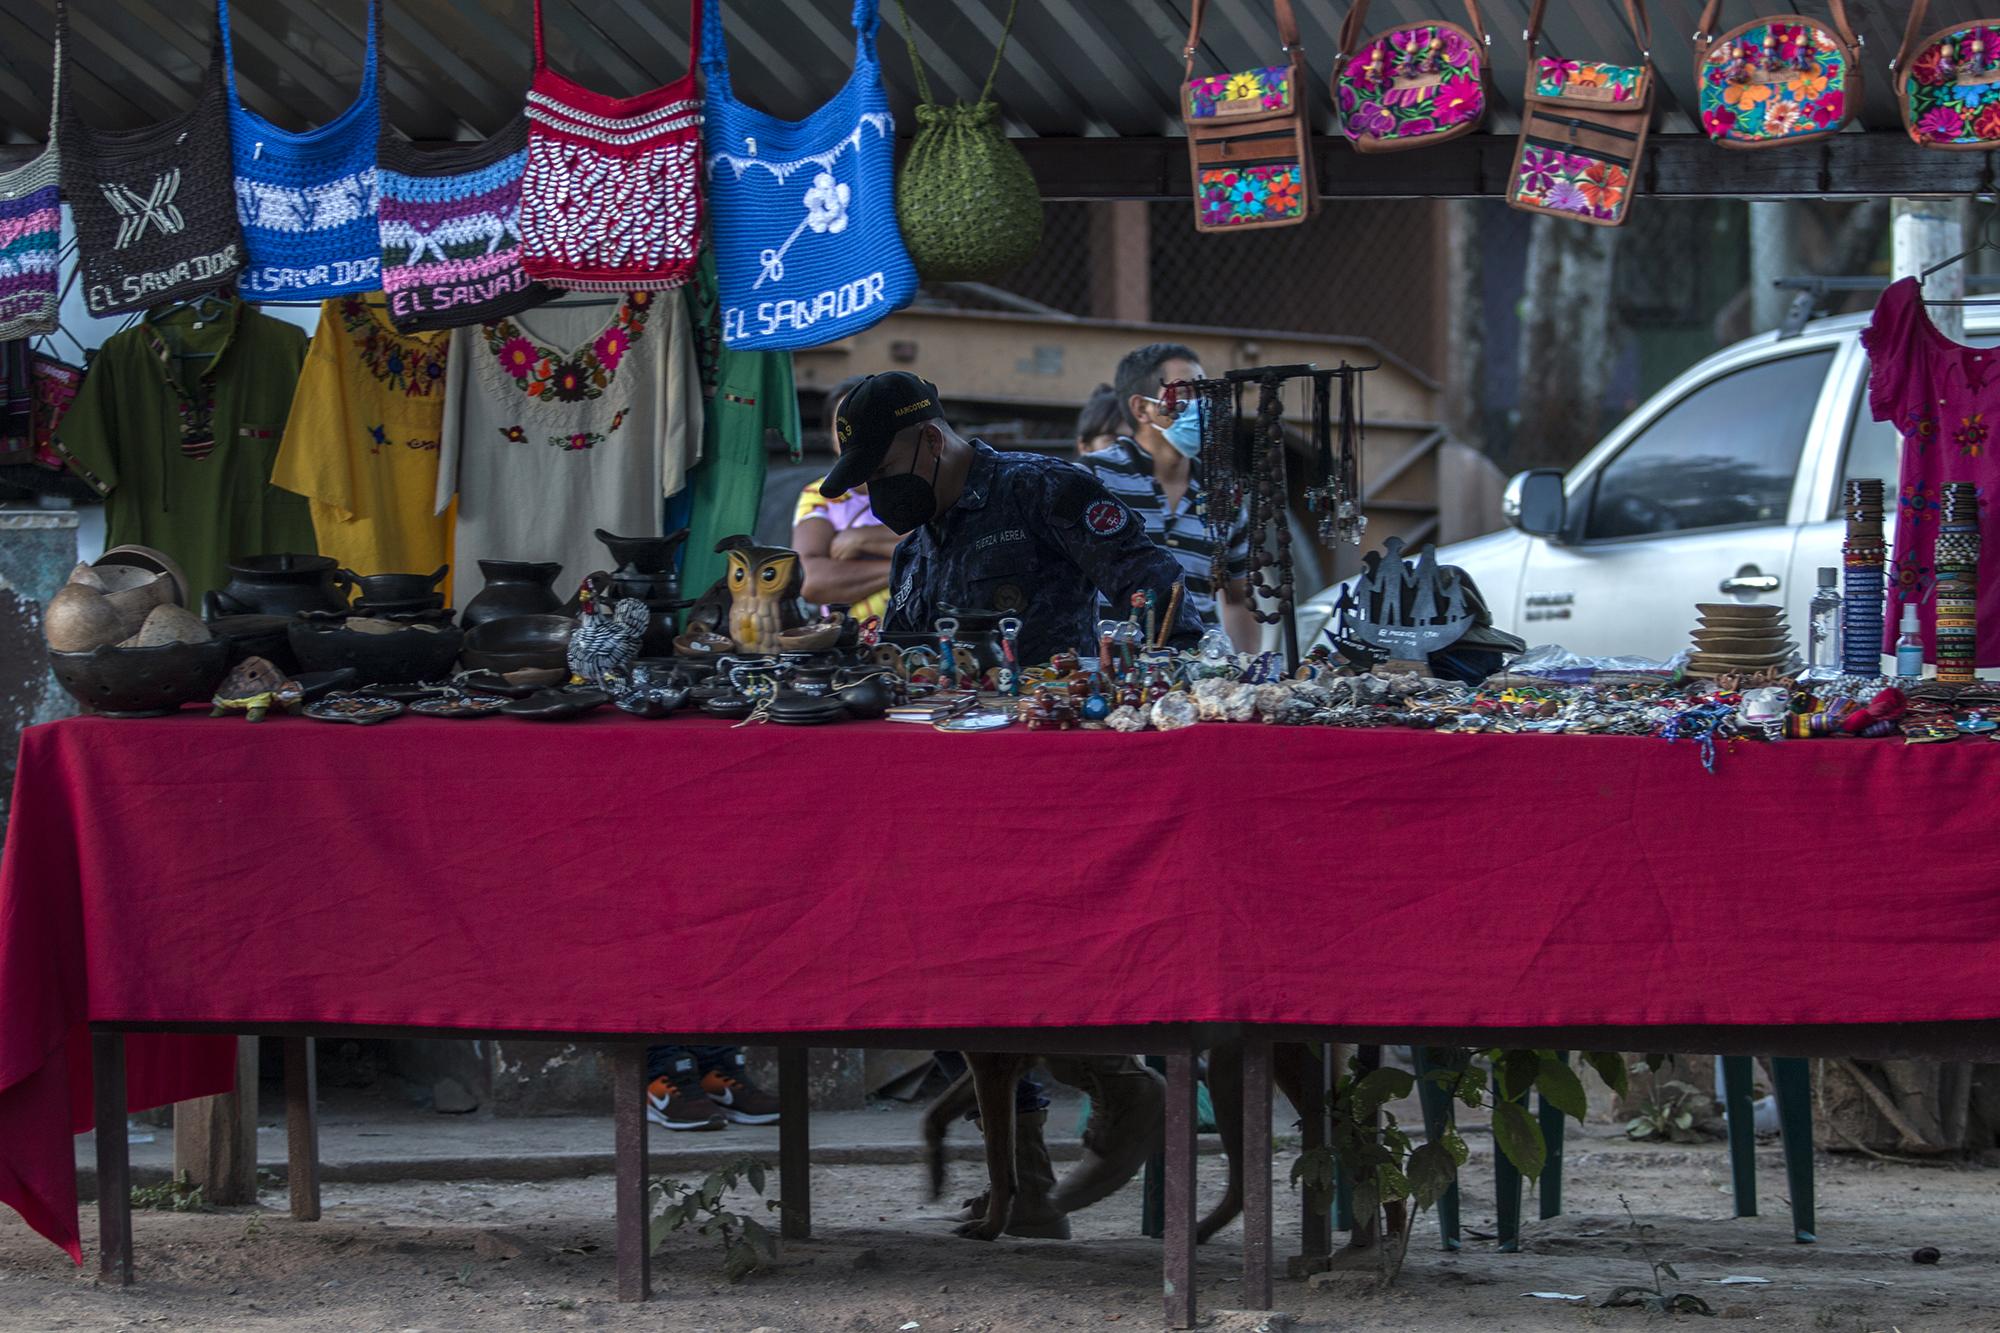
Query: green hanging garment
x,y
749,395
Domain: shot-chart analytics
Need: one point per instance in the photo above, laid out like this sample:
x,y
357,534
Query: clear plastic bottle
x,y
1823,642
1910,645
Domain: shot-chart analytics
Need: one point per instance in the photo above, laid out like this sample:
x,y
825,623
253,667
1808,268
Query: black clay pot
x,y
279,585
867,692
267,637
514,588
415,653
142,682
387,589
519,643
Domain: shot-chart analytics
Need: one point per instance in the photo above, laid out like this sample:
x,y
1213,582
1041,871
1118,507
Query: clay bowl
x,y
142,682
519,643
414,653
134,562
258,636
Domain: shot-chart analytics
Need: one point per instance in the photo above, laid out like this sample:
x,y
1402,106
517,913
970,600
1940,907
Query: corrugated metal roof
x,y
459,68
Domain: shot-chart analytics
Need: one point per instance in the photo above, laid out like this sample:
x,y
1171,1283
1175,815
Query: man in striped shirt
x,y
1156,481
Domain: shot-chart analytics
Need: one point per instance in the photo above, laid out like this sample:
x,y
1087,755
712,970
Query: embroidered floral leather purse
x,y
1948,84
1416,84
1249,142
1780,79
1583,129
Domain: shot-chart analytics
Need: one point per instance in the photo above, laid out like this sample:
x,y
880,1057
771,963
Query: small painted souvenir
x,y
606,641
979,719
761,591
254,687
360,709
702,643
1009,675
947,627
459,705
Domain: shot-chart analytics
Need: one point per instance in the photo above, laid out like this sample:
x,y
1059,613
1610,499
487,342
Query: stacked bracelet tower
x,y
1957,562
1862,581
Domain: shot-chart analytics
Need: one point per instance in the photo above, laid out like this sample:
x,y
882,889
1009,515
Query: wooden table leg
x,y
1179,1241
628,1109
302,1127
794,1145
114,1158
1256,1173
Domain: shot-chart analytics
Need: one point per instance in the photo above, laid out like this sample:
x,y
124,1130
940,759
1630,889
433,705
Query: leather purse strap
x,y
1704,36
1911,29
1635,15
1352,31
1288,31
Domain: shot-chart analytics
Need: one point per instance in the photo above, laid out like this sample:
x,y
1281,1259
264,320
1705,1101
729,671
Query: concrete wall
x,y
37,552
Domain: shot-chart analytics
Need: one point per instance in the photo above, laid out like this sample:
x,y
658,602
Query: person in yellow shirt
x,y
361,443
844,548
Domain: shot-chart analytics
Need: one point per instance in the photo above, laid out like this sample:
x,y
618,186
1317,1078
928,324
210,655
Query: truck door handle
x,y
1747,579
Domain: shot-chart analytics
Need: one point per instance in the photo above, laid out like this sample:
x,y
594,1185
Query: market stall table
x,y
875,880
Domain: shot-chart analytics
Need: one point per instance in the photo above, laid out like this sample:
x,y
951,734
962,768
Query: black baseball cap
x,y
870,418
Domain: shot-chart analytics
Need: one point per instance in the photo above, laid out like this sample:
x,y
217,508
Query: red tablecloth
x,y
620,876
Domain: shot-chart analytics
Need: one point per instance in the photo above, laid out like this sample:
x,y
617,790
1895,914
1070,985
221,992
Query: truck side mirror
x,y
1534,502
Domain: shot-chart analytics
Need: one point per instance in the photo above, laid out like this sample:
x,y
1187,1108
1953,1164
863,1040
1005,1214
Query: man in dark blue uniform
x,y
1039,539
1029,536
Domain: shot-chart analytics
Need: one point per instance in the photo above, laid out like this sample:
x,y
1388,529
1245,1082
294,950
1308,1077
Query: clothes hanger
x,y
1988,238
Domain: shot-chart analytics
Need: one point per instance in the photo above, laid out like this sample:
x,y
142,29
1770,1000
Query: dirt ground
x,y
495,1255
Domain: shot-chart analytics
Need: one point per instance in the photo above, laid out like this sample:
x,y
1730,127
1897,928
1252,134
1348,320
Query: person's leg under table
x,y
114,1158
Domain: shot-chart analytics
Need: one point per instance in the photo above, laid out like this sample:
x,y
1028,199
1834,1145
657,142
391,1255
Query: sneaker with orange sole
x,y
741,1100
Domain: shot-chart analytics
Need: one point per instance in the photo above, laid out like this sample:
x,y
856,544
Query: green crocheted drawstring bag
x,y
967,202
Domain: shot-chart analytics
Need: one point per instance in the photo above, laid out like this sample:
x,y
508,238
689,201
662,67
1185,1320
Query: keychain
x,y
947,632
1010,668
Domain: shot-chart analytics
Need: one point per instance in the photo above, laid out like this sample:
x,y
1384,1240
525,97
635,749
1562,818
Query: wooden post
x,y
302,1127
215,1138
1179,1243
628,1110
1256,1172
114,1158
1121,279
794,1145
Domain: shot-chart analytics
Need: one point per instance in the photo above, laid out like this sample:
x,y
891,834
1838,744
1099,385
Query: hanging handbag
x,y
1249,141
31,230
969,206
804,211
154,208
611,201
1781,79
1948,84
1416,84
307,200
1583,129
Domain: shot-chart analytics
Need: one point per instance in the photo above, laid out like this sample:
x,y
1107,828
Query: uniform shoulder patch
x,y
1105,518
1072,491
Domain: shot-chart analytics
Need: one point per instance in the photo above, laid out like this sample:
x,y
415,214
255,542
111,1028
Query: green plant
x,y
179,1195
1387,1166
746,1242
1653,1299
1669,1112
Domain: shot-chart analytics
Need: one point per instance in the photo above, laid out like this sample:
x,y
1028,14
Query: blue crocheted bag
x,y
803,212
307,201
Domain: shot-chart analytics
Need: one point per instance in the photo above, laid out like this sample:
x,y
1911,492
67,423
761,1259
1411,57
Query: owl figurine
x,y
763,584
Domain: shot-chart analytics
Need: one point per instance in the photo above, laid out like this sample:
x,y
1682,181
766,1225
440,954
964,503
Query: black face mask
x,y
905,502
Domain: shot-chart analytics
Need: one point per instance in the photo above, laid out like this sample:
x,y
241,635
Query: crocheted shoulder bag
x,y
612,200
31,231
806,244
154,212
451,230
307,200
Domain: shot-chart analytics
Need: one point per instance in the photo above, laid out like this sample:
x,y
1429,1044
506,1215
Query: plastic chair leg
x,y
1792,1081
1552,1169
1437,1104
1737,1074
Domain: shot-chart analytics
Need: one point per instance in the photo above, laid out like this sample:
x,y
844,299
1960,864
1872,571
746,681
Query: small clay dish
x,y
318,684
493,683
804,710
556,705
360,709
655,703
728,704
519,643
459,706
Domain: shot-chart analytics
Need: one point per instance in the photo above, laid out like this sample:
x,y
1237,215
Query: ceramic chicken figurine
x,y
602,650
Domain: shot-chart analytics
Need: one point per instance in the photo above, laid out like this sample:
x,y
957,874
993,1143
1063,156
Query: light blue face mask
x,y
1185,432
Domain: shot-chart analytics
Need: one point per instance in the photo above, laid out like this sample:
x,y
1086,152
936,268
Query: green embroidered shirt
x,y
177,425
